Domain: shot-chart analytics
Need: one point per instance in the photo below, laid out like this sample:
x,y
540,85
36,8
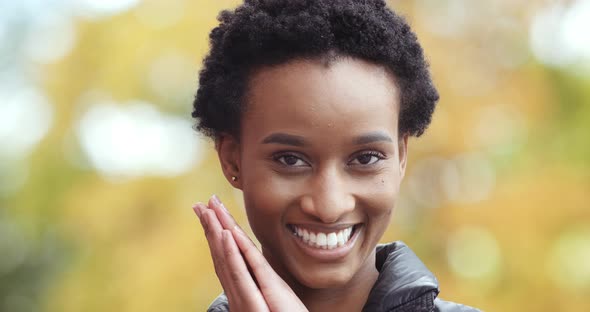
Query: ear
x,y
403,154
228,151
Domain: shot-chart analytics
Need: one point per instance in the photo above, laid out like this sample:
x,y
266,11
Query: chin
x,y
324,279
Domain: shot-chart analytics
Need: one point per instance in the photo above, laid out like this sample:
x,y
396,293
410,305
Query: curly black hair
x,y
271,32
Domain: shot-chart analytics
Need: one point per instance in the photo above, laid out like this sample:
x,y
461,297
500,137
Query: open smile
x,y
325,244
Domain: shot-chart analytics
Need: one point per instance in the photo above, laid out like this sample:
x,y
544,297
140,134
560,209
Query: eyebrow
x,y
372,137
299,141
285,139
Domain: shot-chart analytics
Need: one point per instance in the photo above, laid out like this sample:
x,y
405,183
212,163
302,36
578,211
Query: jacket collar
x,y
402,278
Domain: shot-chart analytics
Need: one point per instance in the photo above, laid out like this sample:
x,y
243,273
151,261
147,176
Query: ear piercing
x,y
234,178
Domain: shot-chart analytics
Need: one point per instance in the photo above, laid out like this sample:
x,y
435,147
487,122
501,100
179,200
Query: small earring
x,y
234,178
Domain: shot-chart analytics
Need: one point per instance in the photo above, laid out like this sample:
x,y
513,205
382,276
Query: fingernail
x,y
216,200
197,210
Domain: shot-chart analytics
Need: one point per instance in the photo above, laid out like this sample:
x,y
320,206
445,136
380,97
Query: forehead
x,y
346,95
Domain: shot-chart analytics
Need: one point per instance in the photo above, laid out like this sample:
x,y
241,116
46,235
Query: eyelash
x,y
376,154
280,156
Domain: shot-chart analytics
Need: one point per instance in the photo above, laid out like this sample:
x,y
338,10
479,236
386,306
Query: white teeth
x,y
332,240
323,240
340,238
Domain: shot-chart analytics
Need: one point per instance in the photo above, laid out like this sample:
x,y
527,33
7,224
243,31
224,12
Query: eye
x,y
291,160
367,158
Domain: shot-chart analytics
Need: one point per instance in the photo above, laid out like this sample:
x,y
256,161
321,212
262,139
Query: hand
x,y
232,252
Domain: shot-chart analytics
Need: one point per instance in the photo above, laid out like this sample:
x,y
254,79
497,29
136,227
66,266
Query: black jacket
x,y
404,285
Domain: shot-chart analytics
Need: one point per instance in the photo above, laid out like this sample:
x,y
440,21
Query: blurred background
x,y
99,166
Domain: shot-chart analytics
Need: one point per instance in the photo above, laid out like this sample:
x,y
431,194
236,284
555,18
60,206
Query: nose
x,y
329,197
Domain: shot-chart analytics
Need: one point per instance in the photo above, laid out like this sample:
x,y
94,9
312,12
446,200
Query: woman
x,y
310,105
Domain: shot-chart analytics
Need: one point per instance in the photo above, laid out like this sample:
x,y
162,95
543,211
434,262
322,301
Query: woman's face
x,y
320,165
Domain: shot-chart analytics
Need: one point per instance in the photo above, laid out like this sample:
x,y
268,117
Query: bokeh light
x,y
562,25
136,139
95,9
569,262
172,77
473,252
50,38
25,118
468,178
161,14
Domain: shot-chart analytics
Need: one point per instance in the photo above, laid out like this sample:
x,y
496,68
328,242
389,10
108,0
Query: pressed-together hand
x,y
232,252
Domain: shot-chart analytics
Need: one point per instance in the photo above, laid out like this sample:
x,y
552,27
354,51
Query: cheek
x,y
267,200
380,194
378,199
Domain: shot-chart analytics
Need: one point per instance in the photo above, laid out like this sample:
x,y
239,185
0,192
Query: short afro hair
x,y
272,32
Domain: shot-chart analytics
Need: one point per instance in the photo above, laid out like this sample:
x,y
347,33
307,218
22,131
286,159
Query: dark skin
x,y
319,149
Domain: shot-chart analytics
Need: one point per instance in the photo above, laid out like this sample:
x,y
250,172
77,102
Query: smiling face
x,y
320,163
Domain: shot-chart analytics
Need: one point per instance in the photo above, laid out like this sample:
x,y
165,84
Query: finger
x,y
239,278
227,221
213,233
266,277
215,241
211,227
271,286
225,217
198,209
229,264
274,289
